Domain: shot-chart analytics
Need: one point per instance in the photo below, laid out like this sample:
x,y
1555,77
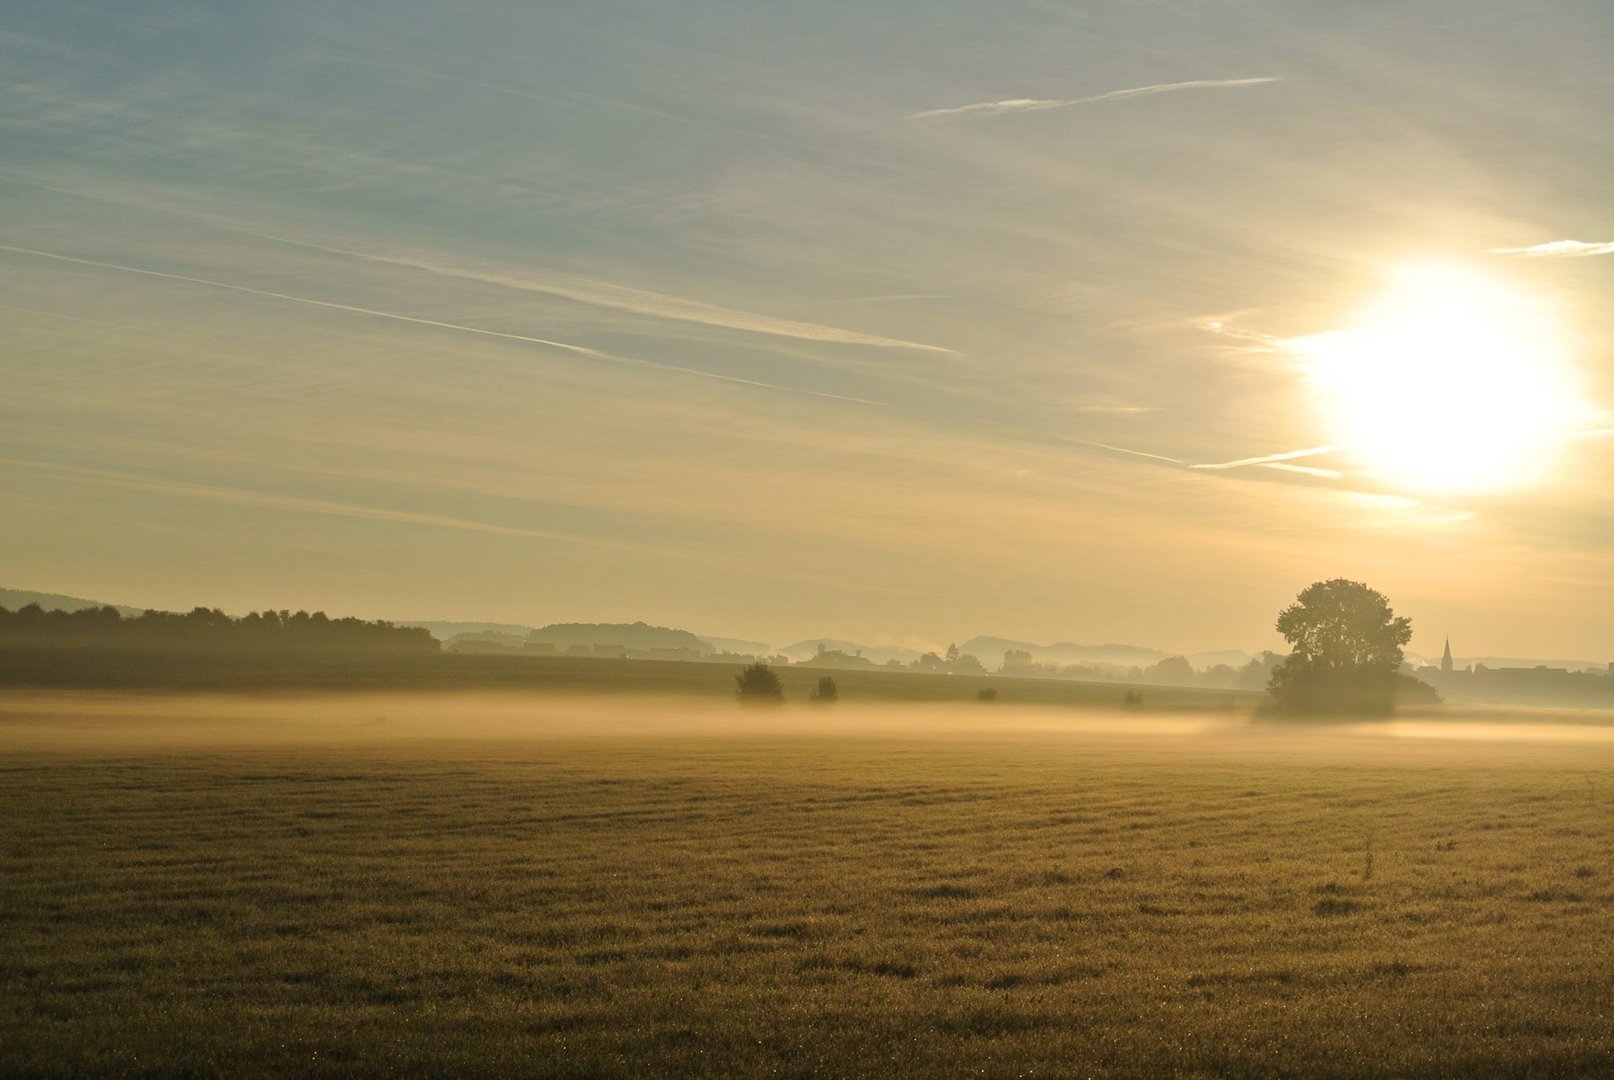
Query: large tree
x,y
1346,654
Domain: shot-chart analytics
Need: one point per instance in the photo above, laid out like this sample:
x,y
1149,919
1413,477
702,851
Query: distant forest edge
x,y
205,649
102,648
208,631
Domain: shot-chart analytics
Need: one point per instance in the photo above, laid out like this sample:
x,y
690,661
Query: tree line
x,y
1346,653
207,630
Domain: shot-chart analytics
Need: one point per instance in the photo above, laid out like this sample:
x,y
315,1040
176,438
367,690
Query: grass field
x,y
460,884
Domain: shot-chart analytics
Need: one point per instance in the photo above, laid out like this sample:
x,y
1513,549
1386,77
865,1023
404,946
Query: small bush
x,y
989,693
1132,700
826,692
758,684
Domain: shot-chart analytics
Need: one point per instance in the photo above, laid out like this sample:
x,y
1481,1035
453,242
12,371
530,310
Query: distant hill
x,y
637,636
1233,658
991,650
834,658
486,641
737,645
13,599
808,647
442,631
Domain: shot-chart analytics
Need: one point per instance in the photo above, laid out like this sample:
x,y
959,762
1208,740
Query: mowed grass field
x,y
544,886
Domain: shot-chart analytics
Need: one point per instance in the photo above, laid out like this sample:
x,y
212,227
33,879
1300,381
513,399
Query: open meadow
x,y
621,886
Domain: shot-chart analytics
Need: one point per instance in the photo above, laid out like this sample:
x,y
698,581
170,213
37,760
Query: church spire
x,y
1445,661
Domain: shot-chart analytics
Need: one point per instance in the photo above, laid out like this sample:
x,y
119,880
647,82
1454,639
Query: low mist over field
x,y
111,722
653,887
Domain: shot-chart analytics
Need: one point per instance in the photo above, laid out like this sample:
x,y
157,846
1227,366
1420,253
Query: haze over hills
x,y
443,630
737,645
13,599
1461,662
636,635
988,649
879,654
991,649
1063,652
447,630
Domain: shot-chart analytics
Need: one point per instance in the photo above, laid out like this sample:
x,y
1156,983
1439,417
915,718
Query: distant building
x,y
1538,685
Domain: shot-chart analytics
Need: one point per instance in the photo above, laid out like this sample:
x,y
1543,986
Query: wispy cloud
x,y
638,301
1013,105
1558,248
437,324
236,496
582,290
128,481
889,298
1118,410
1253,338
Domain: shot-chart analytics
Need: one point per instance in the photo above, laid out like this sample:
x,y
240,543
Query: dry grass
x,y
563,888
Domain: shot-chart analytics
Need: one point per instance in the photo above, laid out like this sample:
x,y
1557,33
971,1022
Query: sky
x,y
887,321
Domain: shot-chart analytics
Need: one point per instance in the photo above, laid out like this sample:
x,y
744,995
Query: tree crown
x,y
1347,651
1343,625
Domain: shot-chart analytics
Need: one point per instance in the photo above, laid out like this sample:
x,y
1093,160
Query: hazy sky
x,y
892,321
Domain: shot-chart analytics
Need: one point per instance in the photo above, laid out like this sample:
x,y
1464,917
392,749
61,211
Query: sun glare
x,y
1450,383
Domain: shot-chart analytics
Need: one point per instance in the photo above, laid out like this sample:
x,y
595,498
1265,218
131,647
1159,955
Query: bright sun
x,y
1451,382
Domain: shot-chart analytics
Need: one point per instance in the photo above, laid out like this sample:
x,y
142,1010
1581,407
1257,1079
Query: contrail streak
x,y
1268,459
998,108
1123,450
580,350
